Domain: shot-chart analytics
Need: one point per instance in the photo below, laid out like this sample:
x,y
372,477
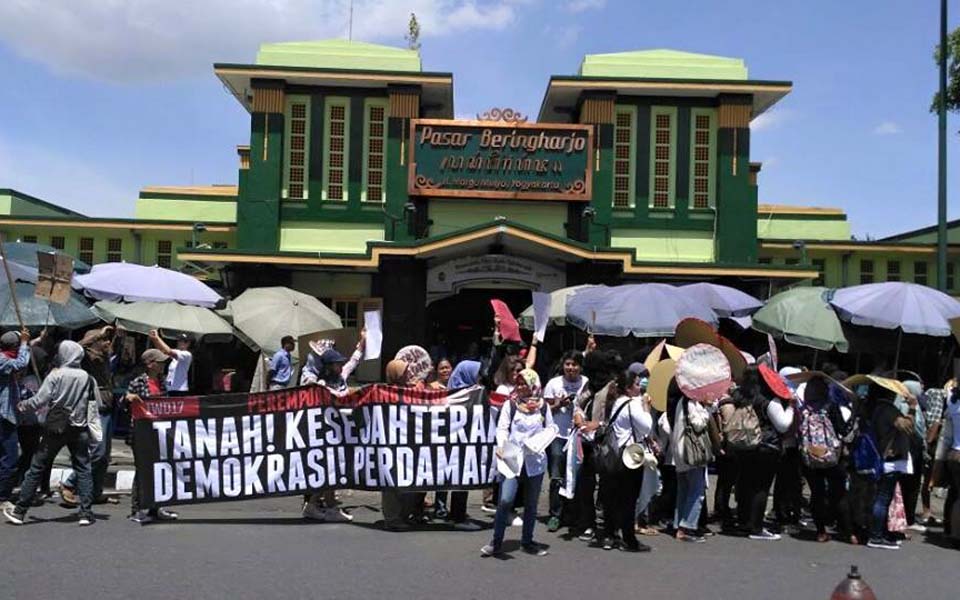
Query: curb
x,y
115,482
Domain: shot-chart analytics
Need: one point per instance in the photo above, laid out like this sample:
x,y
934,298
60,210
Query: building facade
x,y
359,187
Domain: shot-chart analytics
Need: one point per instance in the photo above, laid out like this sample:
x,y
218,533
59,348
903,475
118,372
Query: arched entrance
x,y
459,317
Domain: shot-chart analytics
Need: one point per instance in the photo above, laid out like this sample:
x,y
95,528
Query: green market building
x,y
358,186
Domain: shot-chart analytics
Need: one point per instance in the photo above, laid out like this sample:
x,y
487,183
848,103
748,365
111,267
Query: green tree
x,y
413,33
953,73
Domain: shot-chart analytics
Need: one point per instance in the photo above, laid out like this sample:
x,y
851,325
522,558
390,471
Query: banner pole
x,y
16,304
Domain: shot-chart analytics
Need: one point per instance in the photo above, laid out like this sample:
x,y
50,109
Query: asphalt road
x,y
262,549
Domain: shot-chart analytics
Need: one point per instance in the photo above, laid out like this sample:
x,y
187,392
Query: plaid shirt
x,y
140,386
936,400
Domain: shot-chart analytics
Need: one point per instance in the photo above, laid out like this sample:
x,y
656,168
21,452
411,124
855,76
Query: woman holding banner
x,y
332,373
520,458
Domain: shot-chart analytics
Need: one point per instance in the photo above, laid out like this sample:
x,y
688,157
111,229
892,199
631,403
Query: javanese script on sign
x,y
500,160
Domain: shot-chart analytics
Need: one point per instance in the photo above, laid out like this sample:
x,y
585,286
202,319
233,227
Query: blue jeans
x,y
9,452
77,440
691,486
99,458
881,505
508,491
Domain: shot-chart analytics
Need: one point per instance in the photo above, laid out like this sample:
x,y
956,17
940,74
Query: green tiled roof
x,y
339,54
663,64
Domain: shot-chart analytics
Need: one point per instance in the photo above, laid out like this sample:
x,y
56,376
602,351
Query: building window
x,y
866,271
703,141
336,148
820,265
663,159
920,272
114,250
297,173
764,260
347,309
29,239
86,250
792,262
951,283
374,151
219,245
893,270
58,242
624,157
164,253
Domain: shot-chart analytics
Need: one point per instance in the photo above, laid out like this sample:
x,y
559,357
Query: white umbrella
x,y
144,316
558,307
269,313
132,283
642,310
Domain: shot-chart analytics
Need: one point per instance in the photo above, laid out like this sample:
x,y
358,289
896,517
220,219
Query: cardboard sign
x,y
54,276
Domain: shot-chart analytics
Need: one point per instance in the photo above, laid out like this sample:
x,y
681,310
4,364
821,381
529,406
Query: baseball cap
x,y
153,355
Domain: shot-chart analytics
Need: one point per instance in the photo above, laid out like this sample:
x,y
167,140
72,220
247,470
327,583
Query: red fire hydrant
x,y
853,588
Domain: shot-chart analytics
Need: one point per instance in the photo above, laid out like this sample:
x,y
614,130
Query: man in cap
x,y
178,374
149,384
68,390
14,356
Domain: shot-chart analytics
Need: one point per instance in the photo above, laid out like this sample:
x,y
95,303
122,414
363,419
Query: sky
x,y
104,97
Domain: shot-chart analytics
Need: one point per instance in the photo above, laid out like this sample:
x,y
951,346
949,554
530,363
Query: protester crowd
x,y
628,459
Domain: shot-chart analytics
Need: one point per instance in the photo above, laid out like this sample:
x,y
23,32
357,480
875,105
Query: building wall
x,y
666,246
798,227
310,236
139,247
450,215
190,211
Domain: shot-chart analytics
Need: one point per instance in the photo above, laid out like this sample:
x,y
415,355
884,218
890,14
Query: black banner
x,y
242,446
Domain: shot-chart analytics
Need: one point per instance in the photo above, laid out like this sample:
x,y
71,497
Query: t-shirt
x,y
561,387
633,422
179,371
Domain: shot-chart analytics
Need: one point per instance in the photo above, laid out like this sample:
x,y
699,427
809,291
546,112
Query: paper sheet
x,y
541,315
371,320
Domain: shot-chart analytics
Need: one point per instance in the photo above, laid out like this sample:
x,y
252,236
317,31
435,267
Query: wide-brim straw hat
x,y
691,332
660,378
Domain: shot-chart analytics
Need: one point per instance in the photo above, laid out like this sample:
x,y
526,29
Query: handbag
x,y
696,445
607,452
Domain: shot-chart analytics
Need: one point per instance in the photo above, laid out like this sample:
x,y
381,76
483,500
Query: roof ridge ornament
x,y
507,115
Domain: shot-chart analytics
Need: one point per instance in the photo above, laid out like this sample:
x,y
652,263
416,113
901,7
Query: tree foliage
x,y
413,33
953,73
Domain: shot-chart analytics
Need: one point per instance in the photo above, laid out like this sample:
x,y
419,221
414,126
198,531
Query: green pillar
x,y
258,204
736,232
404,105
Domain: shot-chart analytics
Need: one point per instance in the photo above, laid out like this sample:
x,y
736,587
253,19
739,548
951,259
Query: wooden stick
x,y
16,304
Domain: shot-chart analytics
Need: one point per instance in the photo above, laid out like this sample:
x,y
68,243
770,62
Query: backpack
x,y
607,451
819,444
865,456
742,429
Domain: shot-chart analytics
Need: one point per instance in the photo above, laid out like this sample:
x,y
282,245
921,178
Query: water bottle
x,y
853,588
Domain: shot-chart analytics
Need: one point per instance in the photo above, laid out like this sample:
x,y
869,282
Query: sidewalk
x,y
119,478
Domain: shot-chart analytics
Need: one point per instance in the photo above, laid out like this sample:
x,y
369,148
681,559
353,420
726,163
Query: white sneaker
x,y
335,515
517,522
167,515
917,527
313,512
85,521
